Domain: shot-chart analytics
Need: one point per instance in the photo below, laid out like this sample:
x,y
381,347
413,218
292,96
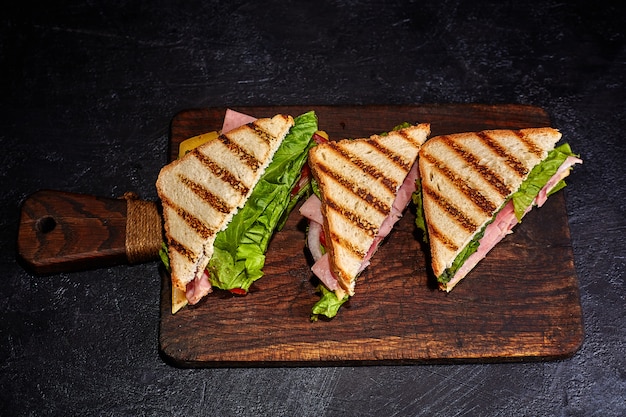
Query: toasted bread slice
x,y
201,191
358,181
467,177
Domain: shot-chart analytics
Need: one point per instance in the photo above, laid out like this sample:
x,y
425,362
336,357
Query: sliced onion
x,y
313,240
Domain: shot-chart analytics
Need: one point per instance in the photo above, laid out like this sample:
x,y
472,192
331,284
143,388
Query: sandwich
x,y
223,200
362,187
475,187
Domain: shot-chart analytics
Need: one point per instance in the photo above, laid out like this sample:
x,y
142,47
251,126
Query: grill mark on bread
x,y
435,233
346,244
454,212
472,194
196,224
371,170
391,155
490,176
221,173
405,135
510,159
205,195
360,192
182,249
529,143
267,138
363,224
241,153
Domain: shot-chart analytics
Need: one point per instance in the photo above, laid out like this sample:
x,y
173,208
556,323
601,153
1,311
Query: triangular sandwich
x,y
227,181
475,187
364,185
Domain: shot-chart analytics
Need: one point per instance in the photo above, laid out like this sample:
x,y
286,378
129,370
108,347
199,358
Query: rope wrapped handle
x,y
143,229
63,232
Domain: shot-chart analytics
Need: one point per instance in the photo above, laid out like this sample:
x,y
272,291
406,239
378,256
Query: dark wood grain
x,y
521,303
62,232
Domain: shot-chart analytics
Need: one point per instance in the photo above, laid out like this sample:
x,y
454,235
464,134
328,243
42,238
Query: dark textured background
x,y
87,93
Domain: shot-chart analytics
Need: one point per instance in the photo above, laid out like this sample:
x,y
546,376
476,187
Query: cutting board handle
x,y
63,232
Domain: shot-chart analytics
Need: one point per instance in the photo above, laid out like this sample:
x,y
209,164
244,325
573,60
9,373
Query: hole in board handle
x,y
46,224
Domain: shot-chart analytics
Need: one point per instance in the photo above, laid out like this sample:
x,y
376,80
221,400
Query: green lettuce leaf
x,y
239,251
538,178
328,304
460,259
302,194
315,188
163,254
397,127
420,219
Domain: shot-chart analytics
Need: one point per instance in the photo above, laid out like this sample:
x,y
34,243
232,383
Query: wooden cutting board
x,y
520,303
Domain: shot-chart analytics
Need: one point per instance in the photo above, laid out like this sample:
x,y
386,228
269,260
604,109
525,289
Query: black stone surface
x,y
87,93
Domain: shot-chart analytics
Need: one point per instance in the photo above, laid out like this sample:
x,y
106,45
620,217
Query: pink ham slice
x,y
233,119
201,285
311,209
403,197
322,270
198,288
505,221
561,173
